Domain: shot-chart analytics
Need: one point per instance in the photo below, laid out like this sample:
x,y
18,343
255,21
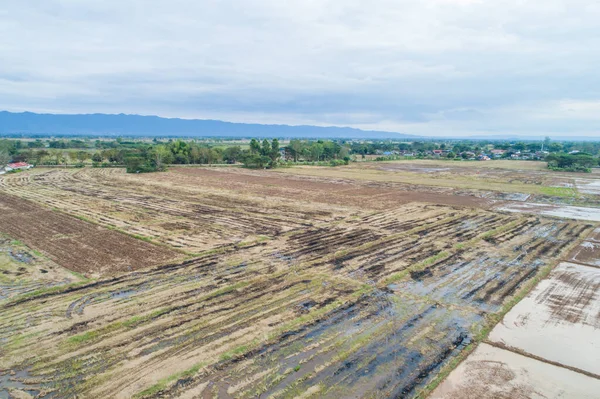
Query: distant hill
x,y
152,126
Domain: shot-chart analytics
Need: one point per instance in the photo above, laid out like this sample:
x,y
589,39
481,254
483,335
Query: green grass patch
x,y
82,218
143,238
564,192
17,341
47,291
240,350
85,337
132,322
79,275
494,232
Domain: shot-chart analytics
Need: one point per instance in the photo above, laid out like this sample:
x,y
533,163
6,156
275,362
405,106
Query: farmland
x,y
358,281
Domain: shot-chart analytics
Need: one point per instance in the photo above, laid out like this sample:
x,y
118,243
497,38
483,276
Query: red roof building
x,y
19,165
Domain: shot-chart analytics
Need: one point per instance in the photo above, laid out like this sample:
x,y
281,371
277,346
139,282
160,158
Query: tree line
x,y
142,156
580,162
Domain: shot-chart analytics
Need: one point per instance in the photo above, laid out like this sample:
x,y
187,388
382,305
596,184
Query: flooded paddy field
x,y
243,284
490,373
595,236
561,211
546,346
559,320
587,253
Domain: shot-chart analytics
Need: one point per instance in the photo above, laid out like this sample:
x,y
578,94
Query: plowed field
x,y
232,283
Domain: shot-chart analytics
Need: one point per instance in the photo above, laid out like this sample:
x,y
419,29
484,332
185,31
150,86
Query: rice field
x,y
231,283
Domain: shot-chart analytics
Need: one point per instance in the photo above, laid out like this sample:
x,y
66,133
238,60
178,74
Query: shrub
x,y
571,162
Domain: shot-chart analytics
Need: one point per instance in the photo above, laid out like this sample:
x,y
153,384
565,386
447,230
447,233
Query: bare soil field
x,y
497,180
23,270
587,253
240,284
348,192
75,244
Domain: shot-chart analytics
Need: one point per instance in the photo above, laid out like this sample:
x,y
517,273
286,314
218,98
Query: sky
x,y
425,67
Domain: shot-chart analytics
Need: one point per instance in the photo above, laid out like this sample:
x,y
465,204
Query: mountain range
x,y
29,123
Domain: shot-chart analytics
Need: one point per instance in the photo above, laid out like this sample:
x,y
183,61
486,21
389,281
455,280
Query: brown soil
x,y
587,253
371,195
75,244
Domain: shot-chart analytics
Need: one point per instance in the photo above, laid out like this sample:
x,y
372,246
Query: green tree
x,y
40,155
274,155
266,148
256,161
82,156
232,154
520,146
72,155
161,156
254,146
316,150
295,148
4,157
555,147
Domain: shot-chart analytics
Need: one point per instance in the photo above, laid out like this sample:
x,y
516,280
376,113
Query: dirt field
x,y
496,180
23,270
76,245
242,284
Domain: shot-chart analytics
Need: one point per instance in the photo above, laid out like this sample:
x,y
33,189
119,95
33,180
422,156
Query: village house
x,y
18,166
541,154
497,153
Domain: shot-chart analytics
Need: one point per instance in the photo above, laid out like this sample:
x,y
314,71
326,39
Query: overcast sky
x,y
430,67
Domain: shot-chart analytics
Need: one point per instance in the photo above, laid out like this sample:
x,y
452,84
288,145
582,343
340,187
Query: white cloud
x,y
427,67
579,109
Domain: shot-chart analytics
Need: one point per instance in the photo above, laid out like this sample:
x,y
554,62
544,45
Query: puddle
x,y
122,294
569,212
22,257
588,186
519,197
18,381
